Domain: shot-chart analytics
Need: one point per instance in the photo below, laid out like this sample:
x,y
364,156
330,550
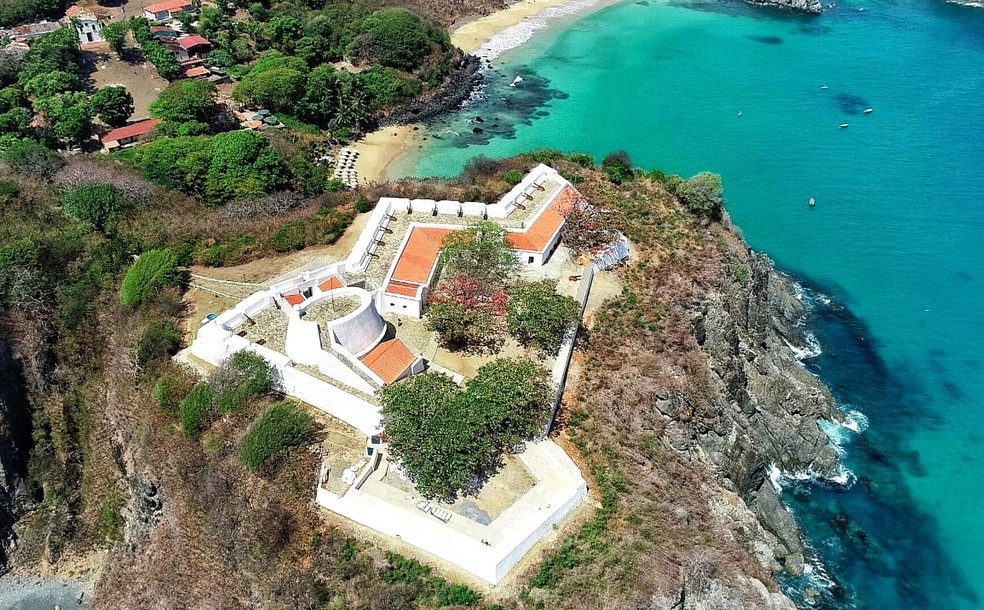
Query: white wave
x,y
519,34
812,348
856,421
842,476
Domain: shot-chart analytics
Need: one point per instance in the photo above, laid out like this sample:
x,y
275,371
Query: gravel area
x,y
33,594
331,309
269,330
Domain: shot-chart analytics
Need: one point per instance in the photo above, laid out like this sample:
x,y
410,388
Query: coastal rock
x,y
813,7
15,429
464,79
768,405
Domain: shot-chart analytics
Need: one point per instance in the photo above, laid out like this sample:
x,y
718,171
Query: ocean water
x,y
889,257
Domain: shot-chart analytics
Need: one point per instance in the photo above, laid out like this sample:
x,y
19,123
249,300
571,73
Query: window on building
x,y
530,261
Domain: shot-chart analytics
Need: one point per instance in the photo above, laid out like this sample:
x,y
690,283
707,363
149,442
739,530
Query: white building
x,y
87,25
165,11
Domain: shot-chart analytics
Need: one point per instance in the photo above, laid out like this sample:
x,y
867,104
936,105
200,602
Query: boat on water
x,y
823,87
813,202
518,79
739,113
869,110
843,125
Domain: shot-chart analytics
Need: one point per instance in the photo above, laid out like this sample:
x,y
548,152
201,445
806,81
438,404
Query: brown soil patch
x,y
141,80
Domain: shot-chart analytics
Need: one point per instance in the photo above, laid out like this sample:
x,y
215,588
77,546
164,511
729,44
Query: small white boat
x,y
739,113
823,87
813,202
843,125
518,79
869,110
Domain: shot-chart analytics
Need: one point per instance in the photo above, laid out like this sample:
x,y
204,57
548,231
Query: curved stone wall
x,y
360,330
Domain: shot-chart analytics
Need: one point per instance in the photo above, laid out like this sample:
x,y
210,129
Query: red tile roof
x,y
197,71
191,41
140,128
389,360
293,299
73,11
169,6
402,288
331,283
538,235
419,255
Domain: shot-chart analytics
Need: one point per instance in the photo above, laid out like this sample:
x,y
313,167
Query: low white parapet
x,y
559,490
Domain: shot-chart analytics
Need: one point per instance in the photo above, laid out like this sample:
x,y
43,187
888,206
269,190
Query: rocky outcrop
x,y
768,405
814,7
464,79
15,430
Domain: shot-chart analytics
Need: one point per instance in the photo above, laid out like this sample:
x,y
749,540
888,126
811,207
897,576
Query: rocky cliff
x,y
14,435
768,405
814,7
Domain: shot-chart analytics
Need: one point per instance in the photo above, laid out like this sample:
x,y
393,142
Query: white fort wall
x,y
559,489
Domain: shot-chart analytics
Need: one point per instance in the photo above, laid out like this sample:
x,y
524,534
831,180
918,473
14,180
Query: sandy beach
x,y
378,149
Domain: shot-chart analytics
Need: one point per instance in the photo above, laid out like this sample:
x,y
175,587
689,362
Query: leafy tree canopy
x,y
50,83
96,204
113,105
70,115
154,268
394,37
448,438
702,195
537,316
185,100
281,426
479,252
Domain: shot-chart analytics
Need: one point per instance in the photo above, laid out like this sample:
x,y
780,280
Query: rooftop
x,y
546,225
168,6
389,359
190,41
139,128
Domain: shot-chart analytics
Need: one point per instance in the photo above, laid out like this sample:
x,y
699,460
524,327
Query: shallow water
x,y
894,240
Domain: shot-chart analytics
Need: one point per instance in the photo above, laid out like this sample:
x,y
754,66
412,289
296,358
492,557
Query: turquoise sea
x,y
890,256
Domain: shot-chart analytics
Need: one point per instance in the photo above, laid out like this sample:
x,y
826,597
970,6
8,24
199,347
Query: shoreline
x,y
485,37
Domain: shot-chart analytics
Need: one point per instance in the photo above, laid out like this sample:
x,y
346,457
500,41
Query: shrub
x,y
154,268
29,157
159,340
536,315
168,392
289,236
513,177
243,377
8,191
618,166
194,409
395,37
185,100
281,426
363,205
96,204
701,194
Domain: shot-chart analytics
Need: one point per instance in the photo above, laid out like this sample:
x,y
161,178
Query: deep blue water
x,y
894,241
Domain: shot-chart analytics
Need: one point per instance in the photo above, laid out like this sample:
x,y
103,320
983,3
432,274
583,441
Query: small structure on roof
x,y
128,135
162,11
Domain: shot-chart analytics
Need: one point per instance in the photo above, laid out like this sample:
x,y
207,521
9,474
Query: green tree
x,y
437,439
185,100
278,89
282,425
283,32
618,166
70,115
30,157
701,194
154,269
537,316
115,35
513,397
58,50
479,252
51,83
386,86
244,377
243,165
463,328
395,37
195,409
168,67
96,204
113,105
159,340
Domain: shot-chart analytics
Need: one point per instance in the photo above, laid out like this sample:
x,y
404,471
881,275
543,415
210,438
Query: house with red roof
x,y
163,11
127,135
189,46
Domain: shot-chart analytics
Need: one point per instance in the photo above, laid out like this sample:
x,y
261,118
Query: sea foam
x,y
522,32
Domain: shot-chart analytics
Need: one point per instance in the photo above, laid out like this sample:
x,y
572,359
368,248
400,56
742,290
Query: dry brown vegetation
x,y
198,530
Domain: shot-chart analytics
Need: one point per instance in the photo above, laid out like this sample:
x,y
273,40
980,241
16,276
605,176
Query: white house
x,y
87,25
164,11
